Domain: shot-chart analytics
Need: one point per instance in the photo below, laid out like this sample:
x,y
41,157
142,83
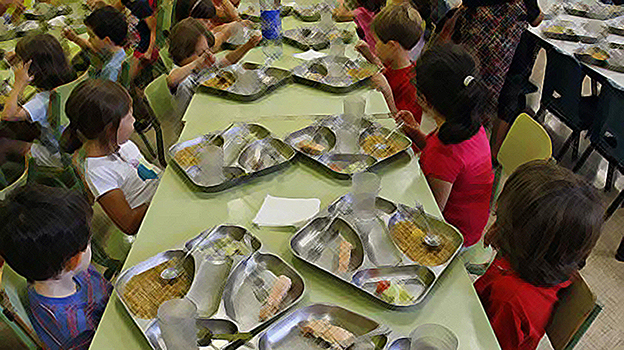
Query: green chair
x,y
166,59
163,19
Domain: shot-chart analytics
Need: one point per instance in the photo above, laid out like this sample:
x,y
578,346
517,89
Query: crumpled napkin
x,y
277,211
309,55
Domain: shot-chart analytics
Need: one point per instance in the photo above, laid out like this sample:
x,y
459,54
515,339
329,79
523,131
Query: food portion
x,y
227,246
393,293
360,73
379,147
189,156
222,81
349,168
409,238
336,337
559,29
310,147
145,292
272,304
344,256
598,53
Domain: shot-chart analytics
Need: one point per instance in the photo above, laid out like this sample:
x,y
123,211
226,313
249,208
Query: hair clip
x,y
468,80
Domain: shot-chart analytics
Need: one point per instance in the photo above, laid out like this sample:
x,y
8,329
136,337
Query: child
x,y
122,182
107,30
189,49
396,30
547,222
455,157
45,237
362,16
213,18
145,12
43,64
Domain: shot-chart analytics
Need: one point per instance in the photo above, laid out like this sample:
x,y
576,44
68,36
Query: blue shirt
x,y
113,67
70,322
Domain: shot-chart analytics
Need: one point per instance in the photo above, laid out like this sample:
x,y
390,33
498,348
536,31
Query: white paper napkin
x,y
309,55
277,211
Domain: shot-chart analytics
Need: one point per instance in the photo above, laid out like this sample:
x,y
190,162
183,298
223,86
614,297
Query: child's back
x,y
108,31
548,220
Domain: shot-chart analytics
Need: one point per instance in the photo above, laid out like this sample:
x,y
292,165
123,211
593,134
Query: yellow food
x,y
359,73
145,292
189,156
379,147
409,238
598,54
221,81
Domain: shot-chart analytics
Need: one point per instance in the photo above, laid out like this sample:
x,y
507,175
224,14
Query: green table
x,y
179,212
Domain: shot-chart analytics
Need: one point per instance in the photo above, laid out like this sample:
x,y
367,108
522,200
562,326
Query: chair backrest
x,y
160,99
563,81
15,286
526,141
166,59
572,315
165,11
21,181
609,135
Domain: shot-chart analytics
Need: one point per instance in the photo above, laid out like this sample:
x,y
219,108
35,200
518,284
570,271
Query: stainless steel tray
x,y
371,154
317,244
401,344
286,333
306,38
601,12
353,75
249,151
253,14
240,304
272,79
309,13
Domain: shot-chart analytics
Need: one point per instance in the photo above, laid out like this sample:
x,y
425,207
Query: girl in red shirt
x,y
456,156
547,222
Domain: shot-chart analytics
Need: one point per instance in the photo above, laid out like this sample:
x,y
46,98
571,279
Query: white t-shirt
x,y
45,150
126,170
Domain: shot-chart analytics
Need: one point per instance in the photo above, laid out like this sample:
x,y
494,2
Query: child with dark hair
x,y
455,157
108,30
45,237
119,178
396,30
43,64
362,16
189,47
547,222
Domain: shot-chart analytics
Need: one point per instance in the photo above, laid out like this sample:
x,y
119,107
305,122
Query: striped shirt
x,y
70,322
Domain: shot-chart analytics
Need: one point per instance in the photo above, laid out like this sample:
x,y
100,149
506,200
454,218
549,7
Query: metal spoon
x,y
206,337
174,271
367,338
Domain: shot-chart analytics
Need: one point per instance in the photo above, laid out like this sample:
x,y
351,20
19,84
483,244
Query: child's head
x,y
45,231
448,85
107,28
49,66
424,8
547,222
188,40
372,5
200,9
101,111
397,28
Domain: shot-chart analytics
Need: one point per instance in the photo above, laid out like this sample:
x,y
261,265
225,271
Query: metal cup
x,y
211,165
208,285
433,337
176,320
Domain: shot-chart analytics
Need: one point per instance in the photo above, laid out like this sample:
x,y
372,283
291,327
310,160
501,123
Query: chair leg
x,y
583,158
610,178
160,148
566,145
575,147
540,115
619,255
147,144
614,206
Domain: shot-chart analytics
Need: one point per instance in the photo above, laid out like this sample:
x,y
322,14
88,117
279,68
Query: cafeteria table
x,y
179,212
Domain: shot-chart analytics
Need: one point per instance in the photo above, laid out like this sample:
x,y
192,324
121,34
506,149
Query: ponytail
x,y
447,77
70,140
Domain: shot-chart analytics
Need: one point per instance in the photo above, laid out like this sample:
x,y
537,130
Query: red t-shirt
x,y
403,90
518,311
468,166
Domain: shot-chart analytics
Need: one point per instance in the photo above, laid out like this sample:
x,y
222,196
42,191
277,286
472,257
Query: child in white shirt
x,y
120,179
43,64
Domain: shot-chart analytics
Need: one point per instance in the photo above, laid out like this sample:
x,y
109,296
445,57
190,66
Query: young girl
x,y
547,222
455,157
362,16
44,65
120,179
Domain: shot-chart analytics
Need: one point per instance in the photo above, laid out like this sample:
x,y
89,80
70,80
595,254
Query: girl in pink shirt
x,y
363,16
456,156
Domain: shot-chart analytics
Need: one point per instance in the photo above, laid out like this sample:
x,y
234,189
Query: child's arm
x,y
117,208
441,190
411,128
12,111
236,55
71,35
227,12
363,48
151,22
342,13
380,83
179,74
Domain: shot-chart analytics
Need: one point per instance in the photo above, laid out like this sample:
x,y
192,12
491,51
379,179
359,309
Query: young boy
x,y
189,48
108,29
547,222
397,29
45,237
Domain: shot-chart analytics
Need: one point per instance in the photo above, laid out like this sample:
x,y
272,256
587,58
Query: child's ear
x,y
395,44
109,42
73,262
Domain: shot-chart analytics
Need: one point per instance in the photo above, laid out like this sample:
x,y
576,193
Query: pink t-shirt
x,y
363,19
468,166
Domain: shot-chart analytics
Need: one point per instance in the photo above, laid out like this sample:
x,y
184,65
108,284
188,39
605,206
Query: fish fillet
x,y
273,301
337,337
344,256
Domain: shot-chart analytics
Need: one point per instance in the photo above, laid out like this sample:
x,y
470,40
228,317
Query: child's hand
x,y
70,34
254,40
380,83
407,118
22,76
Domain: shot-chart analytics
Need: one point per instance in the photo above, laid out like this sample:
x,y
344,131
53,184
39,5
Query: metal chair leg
x,y
160,148
614,206
583,158
147,144
610,178
540,115
619,255
575,147
565,146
